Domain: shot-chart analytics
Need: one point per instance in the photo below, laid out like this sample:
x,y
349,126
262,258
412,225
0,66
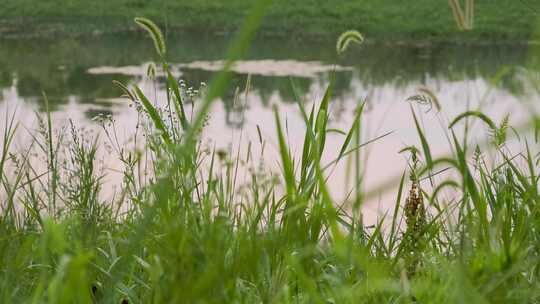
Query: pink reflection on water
x,y
387,112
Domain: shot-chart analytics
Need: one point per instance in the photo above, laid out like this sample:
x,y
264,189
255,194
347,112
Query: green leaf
x,y
288,169
476,114
425,145
179,107
354,126
154,115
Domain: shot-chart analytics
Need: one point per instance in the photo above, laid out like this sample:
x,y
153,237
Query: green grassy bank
x,y
378,19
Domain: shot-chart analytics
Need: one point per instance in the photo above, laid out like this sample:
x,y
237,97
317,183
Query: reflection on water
x,y
61,67
265,67
76,76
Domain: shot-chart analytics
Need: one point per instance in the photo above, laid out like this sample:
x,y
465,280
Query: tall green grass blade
x,y
476,114
353,128
532,172
423,141
470,187
393,235
179,106
52,160
10,128
286,161
238,47
154,115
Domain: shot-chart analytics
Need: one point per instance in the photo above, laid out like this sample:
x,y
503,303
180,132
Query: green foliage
x,y
380,19
186,232
154,115
423,140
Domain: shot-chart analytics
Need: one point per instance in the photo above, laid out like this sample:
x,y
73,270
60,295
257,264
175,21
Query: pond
x,y
76,75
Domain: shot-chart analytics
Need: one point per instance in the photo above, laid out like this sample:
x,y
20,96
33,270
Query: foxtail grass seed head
x,y
346,38
155,34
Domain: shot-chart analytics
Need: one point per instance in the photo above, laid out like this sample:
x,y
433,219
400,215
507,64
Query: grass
x,y
182,230
420,20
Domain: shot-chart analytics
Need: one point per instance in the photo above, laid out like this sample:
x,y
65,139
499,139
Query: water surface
x,y
76,76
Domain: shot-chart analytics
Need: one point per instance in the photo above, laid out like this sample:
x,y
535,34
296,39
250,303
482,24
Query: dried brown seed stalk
x,y
415,216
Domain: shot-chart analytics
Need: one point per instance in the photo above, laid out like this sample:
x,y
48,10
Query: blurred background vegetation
x,y
383,19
